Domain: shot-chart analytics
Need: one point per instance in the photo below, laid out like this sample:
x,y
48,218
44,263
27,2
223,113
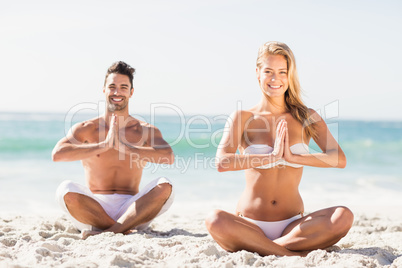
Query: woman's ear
x,y
257,72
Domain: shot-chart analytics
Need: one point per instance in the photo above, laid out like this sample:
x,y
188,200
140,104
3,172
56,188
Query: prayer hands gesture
x,y
279,140
112,138
281,146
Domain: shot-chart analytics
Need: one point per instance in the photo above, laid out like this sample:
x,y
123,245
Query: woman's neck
x,y
273,105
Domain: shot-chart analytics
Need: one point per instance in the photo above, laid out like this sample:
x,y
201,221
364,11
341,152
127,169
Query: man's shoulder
x,y
87,125
145,129
137,123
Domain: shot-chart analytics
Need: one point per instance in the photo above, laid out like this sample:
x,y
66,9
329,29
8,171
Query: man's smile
x,y
117,99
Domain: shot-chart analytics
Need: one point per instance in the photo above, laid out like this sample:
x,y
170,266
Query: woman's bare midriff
x,y
271,194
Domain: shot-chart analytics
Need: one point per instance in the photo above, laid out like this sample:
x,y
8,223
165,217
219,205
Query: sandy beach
x,y
34,232
195,69
181,240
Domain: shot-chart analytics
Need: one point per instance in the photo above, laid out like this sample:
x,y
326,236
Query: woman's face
x,y
273,75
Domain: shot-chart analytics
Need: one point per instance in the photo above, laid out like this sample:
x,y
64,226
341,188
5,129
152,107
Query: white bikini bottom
x,y
273,229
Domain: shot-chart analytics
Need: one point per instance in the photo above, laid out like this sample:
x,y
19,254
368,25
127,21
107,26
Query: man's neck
x,y
121,115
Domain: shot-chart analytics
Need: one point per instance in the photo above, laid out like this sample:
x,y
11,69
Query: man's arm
x,y
76,147
155,149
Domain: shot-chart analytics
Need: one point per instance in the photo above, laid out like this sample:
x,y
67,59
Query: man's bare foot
x,y
130,232
87,233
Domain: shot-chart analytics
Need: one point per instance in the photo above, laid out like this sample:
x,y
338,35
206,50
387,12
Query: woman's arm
x,y
226,157
332,154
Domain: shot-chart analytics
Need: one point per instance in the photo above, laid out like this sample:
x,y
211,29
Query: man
x,y
113,149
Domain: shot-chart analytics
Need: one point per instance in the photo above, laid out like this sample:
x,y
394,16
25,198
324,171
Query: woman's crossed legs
x,y
317,230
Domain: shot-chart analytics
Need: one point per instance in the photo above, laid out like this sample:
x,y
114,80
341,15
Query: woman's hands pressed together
x,y
287,153
281,146
279,140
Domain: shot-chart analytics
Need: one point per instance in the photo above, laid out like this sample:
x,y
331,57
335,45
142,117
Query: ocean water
x,y
29,178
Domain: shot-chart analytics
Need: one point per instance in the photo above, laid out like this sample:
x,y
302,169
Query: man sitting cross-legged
x,y
114,149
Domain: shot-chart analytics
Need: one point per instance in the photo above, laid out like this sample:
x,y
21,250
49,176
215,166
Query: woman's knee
x,y
216,221
342,220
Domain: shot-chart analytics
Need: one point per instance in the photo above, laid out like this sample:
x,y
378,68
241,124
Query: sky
x,y
198,57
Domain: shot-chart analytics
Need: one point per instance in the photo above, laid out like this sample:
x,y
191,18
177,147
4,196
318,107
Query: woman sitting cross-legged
x,y
272,138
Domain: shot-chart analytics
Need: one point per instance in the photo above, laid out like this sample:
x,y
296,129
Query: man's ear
x,y
104,89
131,91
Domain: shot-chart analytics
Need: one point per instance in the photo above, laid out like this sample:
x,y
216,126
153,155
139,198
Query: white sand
x,y
181,240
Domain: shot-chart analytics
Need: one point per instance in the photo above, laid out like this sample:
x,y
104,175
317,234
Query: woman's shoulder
x,y
311,111
241,115
314,115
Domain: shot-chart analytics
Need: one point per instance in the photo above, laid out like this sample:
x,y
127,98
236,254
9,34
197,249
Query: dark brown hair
x,y
120,67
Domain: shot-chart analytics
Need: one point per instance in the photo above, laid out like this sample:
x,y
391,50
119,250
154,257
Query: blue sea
x,y
372,178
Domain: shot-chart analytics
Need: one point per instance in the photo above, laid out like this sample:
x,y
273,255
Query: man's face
x,y
117,91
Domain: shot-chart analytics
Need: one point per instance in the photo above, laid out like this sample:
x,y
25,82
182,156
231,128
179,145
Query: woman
x,y
272,139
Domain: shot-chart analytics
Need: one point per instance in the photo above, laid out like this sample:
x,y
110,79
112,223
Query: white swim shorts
x,y
114,204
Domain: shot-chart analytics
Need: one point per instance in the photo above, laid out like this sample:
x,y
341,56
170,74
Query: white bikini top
x,y
298,148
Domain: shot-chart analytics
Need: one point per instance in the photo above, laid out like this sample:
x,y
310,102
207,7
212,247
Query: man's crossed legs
x,y
118,213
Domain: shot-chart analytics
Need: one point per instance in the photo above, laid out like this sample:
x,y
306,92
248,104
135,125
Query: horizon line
x,y
341,118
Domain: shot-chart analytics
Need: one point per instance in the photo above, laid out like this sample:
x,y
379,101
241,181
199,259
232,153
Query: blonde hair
x,y
293,100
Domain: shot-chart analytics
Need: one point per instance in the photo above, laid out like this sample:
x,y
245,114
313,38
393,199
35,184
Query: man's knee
x,y
164,190
72,199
